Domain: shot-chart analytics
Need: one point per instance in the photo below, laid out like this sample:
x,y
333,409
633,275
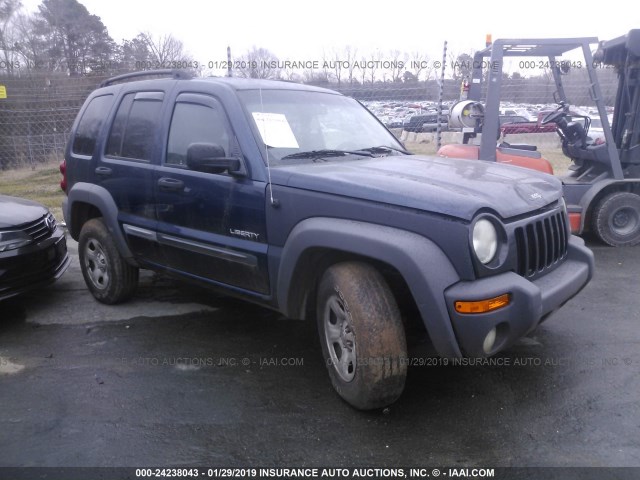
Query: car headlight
x,y
10,240
485,240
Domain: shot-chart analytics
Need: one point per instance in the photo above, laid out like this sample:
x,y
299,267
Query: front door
x,y
211,226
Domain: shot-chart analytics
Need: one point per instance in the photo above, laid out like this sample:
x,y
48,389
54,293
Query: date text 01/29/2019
x,y
314,472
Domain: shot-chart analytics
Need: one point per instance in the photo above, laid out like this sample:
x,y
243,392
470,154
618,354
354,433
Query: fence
x,y
37,115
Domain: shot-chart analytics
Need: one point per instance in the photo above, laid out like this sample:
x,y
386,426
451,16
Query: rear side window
x,y
84,140
135,125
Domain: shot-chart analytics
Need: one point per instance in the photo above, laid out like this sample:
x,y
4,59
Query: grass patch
x,y
41,184
558,161
421,148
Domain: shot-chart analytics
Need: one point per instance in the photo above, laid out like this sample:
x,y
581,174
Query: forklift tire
x,y
616,219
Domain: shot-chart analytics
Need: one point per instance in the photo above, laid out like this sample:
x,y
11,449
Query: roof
x,y
233,82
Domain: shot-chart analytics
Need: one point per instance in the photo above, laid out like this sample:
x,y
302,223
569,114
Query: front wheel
x,y
616,219
107,275
362,335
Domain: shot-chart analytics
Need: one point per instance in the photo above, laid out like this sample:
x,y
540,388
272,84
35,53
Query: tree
x,y
258,63
163,49
375,60
135,53
419,62
291,75
409,77
462,65
364,69
8,11
78,41
308,75
349,56
333,62
31,41
396,65
342,62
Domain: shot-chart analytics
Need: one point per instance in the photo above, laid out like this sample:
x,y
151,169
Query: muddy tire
x,y
362,336
107,275
616,219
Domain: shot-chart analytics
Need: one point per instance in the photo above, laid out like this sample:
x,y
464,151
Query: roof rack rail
x,y
173,73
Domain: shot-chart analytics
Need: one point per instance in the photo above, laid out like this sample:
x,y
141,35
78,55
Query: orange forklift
x,y
602,188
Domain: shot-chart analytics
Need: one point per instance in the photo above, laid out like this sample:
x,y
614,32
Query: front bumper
x,y
531,301
33,266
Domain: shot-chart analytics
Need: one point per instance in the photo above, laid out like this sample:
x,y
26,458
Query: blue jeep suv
x,y
299,199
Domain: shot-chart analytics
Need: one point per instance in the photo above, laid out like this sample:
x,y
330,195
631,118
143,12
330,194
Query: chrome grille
x,y
41,229
541,244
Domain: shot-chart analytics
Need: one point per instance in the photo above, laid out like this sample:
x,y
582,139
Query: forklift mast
x,y
602,186
552,50
623,53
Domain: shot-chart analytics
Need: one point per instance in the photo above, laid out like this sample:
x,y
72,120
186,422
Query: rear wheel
x,y
616,219
362,336
107,275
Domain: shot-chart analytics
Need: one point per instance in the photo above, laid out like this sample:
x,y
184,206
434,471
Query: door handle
x,y
170,184
103,171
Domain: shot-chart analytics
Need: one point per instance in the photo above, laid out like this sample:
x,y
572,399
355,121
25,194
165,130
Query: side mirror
x,y
210,157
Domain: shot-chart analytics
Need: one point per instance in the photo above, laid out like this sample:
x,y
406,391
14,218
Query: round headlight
x,y
485,240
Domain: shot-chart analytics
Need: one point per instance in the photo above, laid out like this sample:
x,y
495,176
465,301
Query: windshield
x,y
596,123
293,122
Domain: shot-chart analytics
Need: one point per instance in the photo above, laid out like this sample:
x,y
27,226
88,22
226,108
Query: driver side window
x,y
194,123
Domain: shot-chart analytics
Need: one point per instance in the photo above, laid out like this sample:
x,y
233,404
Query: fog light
x,y
489,341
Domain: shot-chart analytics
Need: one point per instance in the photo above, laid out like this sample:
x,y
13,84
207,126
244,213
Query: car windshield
x,y
297,125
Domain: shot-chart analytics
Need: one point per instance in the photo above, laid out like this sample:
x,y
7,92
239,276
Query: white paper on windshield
x,y
275,130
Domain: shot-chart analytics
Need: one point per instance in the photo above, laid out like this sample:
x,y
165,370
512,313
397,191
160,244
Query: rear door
x,y
211,226
127,164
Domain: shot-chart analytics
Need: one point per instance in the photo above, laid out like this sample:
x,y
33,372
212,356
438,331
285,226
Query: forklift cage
x,y
553,49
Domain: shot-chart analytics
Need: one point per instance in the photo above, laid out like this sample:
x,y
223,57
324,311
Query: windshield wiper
x,y
327,153
384,149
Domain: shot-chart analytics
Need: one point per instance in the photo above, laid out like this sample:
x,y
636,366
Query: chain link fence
x,y
39,109
36,116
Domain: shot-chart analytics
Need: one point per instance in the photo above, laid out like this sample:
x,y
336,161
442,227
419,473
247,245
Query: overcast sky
x,y
299,30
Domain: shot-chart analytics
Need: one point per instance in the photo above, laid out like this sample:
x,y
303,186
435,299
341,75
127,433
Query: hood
x,y
18,211
458,188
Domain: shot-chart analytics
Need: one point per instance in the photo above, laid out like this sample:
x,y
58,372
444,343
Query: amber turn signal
x,y
483,306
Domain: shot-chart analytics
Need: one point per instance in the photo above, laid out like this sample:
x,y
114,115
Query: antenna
x,y
274,202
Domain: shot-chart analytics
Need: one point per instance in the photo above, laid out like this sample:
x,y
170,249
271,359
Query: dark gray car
x,y
33,249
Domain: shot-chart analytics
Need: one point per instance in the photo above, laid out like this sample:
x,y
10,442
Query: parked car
x,y
512,119
33,249
519,126
298,198
426,122
393,122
